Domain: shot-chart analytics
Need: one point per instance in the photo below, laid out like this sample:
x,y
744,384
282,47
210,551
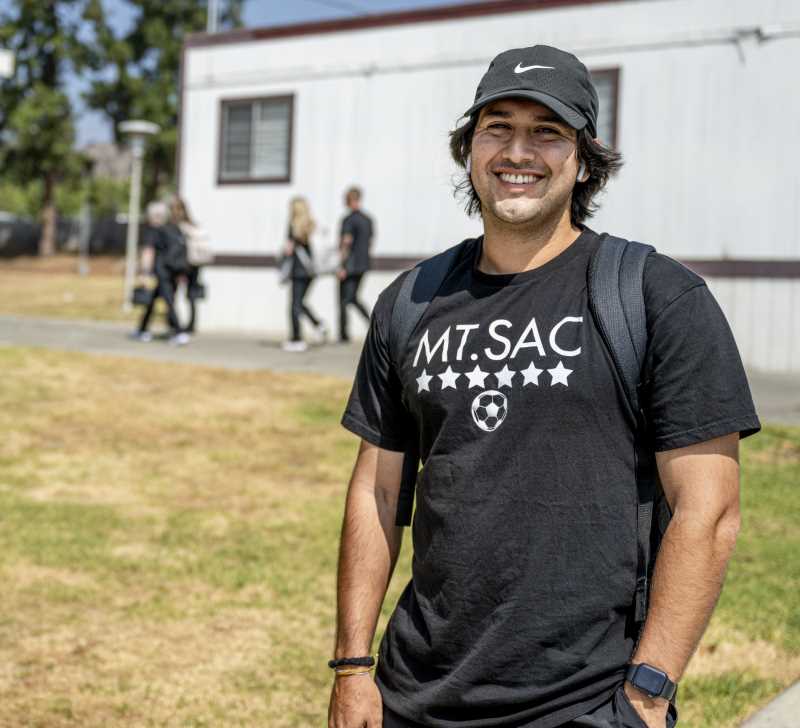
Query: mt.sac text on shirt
x,y
506,344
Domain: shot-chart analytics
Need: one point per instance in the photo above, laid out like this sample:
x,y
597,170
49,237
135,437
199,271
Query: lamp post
x,y
85,219
212,16
6,64
138,131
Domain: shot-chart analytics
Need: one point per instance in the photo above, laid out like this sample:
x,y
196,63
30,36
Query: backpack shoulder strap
x,y
616,300
416,292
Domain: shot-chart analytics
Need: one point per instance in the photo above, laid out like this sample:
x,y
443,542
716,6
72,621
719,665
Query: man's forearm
x,y
368,553
686,584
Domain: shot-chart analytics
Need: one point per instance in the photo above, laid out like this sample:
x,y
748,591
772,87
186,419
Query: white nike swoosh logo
x,y
521,69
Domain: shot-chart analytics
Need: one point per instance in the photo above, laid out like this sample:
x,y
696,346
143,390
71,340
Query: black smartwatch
x,y
651,680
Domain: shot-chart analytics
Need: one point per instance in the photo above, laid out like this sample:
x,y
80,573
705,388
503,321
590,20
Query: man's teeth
x,y
518,179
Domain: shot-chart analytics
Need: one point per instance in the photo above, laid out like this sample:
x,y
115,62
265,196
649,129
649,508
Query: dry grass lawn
x,y
52,288
169,543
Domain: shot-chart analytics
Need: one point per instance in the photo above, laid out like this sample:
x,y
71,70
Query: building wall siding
x,y
708,124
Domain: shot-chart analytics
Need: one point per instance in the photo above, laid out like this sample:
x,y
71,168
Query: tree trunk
x,y
47,242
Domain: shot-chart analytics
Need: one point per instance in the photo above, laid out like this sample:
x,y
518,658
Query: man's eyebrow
x,y
542,118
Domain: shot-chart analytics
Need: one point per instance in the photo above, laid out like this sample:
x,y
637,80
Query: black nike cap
x,y
553,77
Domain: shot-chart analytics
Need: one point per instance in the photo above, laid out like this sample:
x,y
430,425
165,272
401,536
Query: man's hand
x,y
653,711
355,703
341,274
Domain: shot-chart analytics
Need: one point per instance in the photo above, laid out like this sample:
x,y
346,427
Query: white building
x,y
701,96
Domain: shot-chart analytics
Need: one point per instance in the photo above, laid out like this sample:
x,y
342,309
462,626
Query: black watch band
x,y
651,680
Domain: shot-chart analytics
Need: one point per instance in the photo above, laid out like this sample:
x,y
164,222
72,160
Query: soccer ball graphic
x,y
489,409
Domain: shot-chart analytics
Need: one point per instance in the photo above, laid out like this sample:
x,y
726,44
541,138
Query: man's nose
x,y
521,148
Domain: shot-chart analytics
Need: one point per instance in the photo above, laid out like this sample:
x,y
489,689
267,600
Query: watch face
x,y
649,679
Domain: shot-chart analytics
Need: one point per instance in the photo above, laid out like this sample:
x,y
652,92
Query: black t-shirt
x,y
519,610
302,262
171,256
359,225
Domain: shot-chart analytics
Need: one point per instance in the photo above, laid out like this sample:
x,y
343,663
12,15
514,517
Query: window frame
x,y
612,73
223,103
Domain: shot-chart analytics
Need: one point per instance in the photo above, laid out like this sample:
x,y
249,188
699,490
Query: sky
x,y
92,125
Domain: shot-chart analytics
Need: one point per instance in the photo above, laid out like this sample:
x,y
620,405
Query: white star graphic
x,y
424,382
477,377
504,376
559,374
531,375
448,378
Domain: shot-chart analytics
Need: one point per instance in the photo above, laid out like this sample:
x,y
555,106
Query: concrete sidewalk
x,y
220,350
782,712
777,396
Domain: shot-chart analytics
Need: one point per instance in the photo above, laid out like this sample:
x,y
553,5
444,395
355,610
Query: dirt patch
x,y
724,650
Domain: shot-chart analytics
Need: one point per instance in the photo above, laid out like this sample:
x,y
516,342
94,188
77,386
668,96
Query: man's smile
x,y
511,178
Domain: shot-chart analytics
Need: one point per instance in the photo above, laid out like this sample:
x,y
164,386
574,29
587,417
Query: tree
x,y
144,82
37,131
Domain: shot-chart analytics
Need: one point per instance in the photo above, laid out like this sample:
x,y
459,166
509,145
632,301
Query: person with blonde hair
x,y
198,253
301,272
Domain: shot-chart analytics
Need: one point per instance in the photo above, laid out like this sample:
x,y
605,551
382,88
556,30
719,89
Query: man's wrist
x,y
650,680
640,697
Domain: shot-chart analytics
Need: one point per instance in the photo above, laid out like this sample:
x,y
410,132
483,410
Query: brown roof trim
x,y
727,268
713,268
380,20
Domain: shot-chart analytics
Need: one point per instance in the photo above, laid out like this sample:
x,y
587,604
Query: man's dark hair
x,y
600,161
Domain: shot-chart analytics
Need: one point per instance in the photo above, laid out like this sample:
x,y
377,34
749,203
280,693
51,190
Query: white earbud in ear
x,y
581,172
469,164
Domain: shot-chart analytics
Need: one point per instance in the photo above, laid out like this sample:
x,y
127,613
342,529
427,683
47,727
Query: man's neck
x,y
517,248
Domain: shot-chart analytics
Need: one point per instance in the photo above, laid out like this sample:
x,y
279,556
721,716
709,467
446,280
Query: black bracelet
x,y
355,661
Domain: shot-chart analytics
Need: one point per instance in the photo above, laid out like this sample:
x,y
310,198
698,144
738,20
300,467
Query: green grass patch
x,y
760,598
170,539
722,700
56,534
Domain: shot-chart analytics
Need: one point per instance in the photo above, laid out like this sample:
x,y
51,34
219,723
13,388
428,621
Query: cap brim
x,y
572,117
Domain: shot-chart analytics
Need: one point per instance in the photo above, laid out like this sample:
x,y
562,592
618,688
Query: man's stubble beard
x,y
524,215
521,215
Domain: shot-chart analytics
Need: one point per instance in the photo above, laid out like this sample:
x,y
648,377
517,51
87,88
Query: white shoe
x,y
143,336
294,346
180,339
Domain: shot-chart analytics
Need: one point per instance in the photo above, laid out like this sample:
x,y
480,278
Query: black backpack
x,y
616,300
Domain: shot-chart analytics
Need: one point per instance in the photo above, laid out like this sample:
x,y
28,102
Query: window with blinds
x,y
606,81
256,141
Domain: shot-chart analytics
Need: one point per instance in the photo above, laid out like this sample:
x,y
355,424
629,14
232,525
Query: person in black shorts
x,y
355,242
523,606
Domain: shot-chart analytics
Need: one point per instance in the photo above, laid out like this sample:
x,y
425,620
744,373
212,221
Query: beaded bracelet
x,y
354,661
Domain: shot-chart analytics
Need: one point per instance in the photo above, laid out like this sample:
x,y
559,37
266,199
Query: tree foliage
x,y
141,78
37,130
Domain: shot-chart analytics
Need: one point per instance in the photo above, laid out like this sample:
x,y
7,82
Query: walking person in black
x,y
198,253
163,255
355,241
298,251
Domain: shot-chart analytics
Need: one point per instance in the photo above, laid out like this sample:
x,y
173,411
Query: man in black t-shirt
x,y
355,241
520,610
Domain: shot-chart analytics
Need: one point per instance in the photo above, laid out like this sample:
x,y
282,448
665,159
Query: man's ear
x,y
583,174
